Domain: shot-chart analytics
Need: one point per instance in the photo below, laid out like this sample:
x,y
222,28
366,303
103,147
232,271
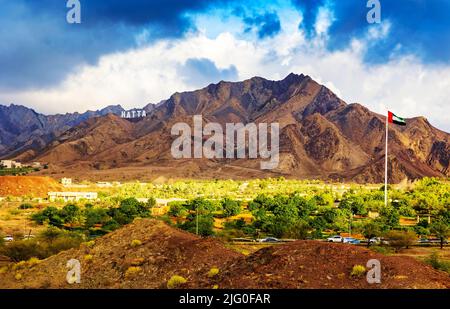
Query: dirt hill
x,y
165,251
27,185
314,264
321,136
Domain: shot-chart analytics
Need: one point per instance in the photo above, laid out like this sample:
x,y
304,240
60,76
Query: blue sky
x,y
135,52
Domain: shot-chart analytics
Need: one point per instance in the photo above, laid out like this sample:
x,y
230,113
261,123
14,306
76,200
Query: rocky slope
x,y
113,262
320,135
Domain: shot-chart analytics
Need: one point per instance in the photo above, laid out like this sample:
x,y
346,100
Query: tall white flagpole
x,y
386,163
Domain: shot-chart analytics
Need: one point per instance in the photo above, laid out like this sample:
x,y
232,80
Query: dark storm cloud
x,y
38,48
418,27
267,24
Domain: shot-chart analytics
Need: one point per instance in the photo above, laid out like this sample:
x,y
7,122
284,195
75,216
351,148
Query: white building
x,y
66,182
72,196
10,164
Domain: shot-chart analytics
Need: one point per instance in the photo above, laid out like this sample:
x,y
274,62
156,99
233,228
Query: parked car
x,y
335,238
375,240
351,240
437,241
270,239
9,238
423,241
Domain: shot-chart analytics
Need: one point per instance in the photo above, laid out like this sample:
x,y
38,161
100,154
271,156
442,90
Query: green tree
x,y
50,214
390,216
230,207
441,230
205,224
151,202
371,229
177,209
298,230
50,234
95,215
71,214
354,203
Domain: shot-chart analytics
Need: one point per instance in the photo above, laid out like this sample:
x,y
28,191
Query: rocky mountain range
x,y
321,136
23,129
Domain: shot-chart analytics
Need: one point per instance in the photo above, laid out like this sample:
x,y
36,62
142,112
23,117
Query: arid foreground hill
x,y
113,262
321,137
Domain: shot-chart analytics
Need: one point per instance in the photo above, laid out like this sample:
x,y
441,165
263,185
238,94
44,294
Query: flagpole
x,y
386,163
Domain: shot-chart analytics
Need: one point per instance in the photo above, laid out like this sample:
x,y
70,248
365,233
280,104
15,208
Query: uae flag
x,y
392,118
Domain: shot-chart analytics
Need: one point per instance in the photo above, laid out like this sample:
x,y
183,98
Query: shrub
x,y
3,269
50,234
213,272
20,265
382,249
177,209
436,263
90,244
23,250
175,281
135,243
88,257
18,276
25,206
358,271
33,262
132,271
401,239
63,243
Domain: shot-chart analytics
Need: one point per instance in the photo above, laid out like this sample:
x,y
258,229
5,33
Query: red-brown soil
x,y
314,264
166,251
27,185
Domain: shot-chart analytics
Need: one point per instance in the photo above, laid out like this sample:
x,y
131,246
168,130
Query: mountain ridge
x,y
321,136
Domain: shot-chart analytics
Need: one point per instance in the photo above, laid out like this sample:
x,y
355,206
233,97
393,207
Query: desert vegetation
x,y
253,209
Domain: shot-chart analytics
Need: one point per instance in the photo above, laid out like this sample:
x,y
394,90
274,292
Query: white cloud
x,y
150,73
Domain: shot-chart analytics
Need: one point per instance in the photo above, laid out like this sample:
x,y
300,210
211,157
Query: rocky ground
x,y
147,253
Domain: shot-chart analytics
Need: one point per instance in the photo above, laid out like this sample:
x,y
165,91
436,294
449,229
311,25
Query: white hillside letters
x,y
134,114
238,137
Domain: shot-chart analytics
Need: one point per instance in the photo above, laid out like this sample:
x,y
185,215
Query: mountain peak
x,y
292,77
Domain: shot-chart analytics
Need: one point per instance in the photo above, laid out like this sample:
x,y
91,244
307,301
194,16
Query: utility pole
x,y
196,219
350,225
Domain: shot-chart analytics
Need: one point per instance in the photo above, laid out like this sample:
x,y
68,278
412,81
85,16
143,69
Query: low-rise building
x,y
66,182
7,163
10,164
72,196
